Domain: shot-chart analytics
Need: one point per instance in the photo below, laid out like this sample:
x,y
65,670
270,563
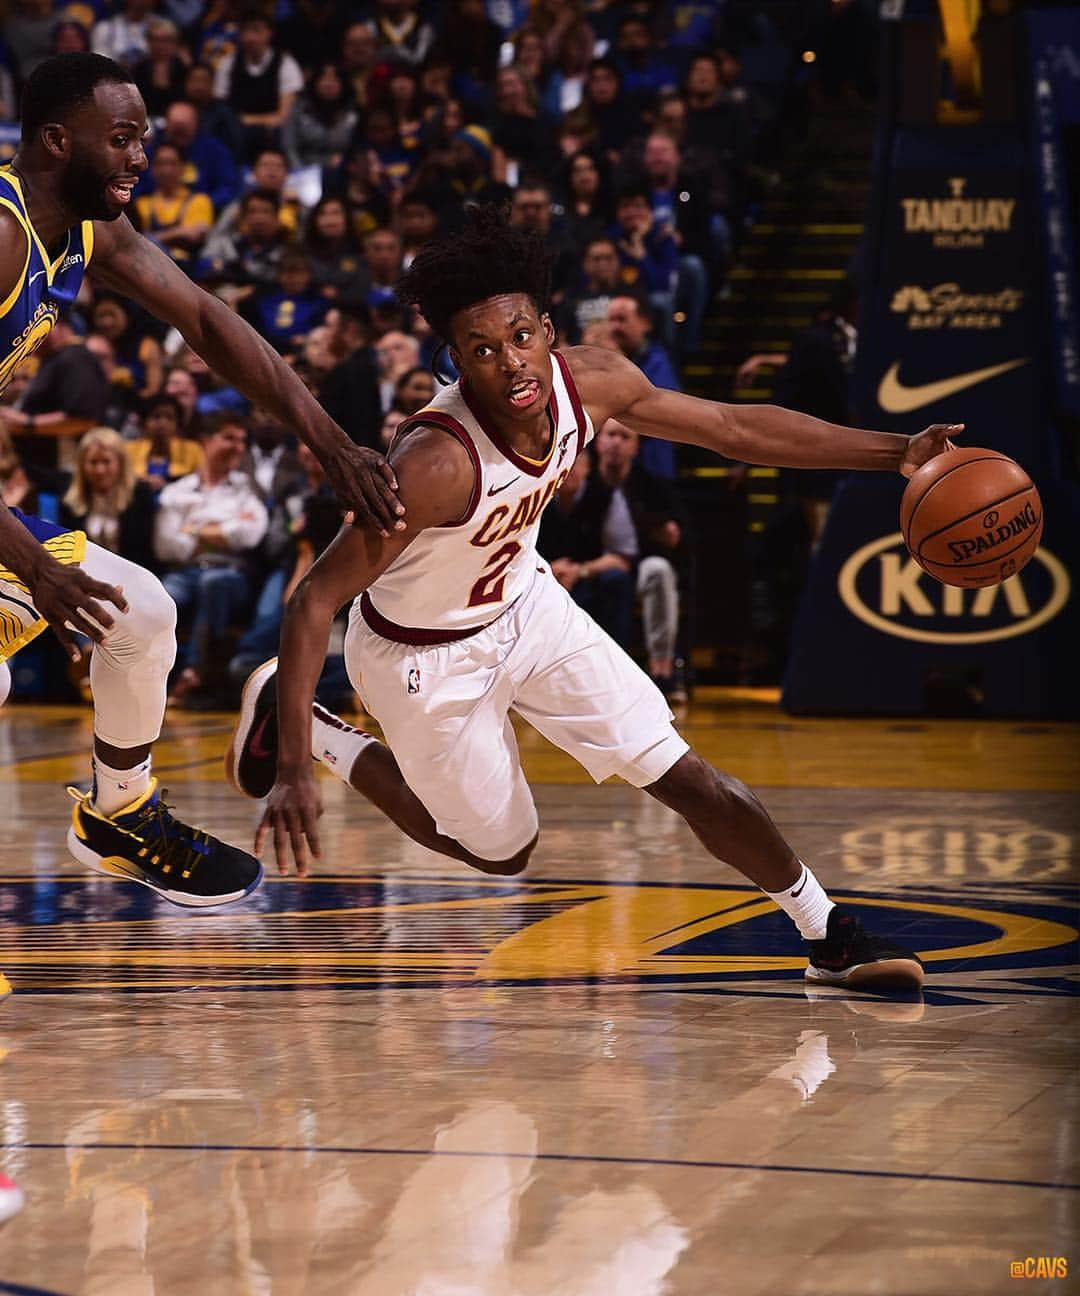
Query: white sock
x,y
115,789
336,744
806,904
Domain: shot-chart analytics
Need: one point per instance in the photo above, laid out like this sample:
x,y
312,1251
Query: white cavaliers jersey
x,y
455,578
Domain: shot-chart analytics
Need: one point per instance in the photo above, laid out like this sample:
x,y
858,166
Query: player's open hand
x,y
366,485
70,601
292,815
934,440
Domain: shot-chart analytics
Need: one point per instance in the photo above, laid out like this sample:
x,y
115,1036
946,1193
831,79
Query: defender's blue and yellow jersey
x,y
46,287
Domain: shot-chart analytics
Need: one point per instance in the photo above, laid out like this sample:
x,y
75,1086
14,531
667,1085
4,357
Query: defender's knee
x,y
148,627
507,867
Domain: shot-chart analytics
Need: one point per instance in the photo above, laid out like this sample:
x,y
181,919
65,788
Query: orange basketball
x,y
971,517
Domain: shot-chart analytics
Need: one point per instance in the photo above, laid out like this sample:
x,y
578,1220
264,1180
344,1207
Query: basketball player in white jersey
x,y
457,620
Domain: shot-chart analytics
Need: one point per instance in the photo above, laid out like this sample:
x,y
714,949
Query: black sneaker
x,y
251,758
145,843
850,956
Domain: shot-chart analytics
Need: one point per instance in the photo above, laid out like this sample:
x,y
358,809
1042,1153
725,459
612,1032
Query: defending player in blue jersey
x,y
62,204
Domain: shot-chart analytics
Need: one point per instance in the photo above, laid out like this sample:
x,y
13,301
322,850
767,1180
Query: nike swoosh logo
x,y
802,885
494,490
36,275
896,398
255,745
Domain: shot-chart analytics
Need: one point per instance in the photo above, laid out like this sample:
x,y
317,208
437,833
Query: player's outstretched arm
x,y
130,264
613,387
436,479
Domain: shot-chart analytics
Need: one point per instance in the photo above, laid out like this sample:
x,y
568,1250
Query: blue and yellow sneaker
x,y
145,843
5,986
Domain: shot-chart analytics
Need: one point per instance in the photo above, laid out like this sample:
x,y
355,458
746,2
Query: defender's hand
x,y
292,814
933,441
365,483
68,598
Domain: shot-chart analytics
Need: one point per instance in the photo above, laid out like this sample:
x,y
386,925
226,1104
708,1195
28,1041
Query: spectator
x,y
414,390
644,73
70,38
530,55
306,519
391,421
260,82
216,118
271,174
631,323
121,399
565,87
139,358
403,98
161,454
681,210
28,34
601,281
391,163
174,216
68,384
160,74
530,208
313,30
719,126
25,485
240,263
400,34
436,80
587,197
207,528
395,354
335,253
208,166
322,120
354,182
616,531
350,392
649,255
418,223
470,43
106,500
285,313
461,175
592,555
613,120
123,36
382,260
272,461
522,136
182,386
358,59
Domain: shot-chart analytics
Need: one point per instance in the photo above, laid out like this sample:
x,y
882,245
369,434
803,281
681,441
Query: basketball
x,y
971,517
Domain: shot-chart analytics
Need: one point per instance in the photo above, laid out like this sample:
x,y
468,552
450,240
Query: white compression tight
x,y
128,672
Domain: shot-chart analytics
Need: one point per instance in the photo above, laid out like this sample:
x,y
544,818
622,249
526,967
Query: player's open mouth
x,y
120,191
524,393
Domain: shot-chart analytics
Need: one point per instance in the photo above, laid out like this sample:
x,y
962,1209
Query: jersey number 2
x,y
489,588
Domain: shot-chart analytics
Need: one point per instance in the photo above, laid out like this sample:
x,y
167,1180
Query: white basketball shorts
x,y
444,711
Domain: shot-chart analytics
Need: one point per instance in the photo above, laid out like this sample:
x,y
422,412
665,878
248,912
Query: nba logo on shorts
x,y
414,679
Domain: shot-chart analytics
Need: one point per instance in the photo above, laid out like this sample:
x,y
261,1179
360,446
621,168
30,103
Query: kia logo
x,y
906,595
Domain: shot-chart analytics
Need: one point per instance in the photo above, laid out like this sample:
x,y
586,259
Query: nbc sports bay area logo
x,y
884,587
78,936
948,306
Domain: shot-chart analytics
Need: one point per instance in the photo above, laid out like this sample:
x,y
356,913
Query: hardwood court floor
x,y
607,1078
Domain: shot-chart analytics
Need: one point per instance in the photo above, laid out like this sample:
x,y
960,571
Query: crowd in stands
x,y
301,153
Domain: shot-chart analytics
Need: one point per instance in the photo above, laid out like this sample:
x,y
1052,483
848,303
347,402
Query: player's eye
x,y
522,336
